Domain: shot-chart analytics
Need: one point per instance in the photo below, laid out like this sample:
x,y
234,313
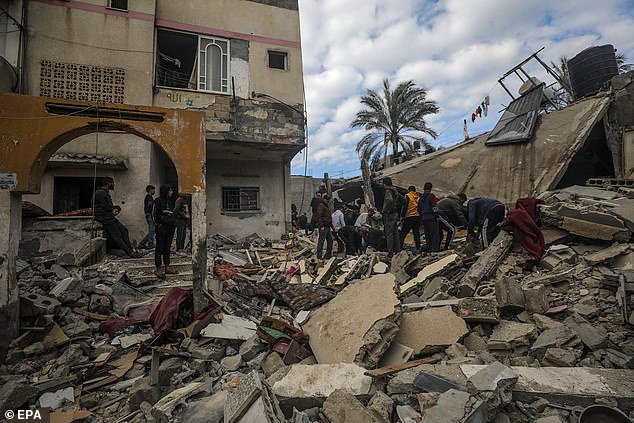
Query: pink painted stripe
x,y
172,25
99,9
226,34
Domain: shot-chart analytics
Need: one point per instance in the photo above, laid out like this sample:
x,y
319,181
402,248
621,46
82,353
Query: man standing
x,y
148,202
105,213
165,221
323,221
450,215
338,222
181,212
314,204
390,214
411,217
486,213
429,217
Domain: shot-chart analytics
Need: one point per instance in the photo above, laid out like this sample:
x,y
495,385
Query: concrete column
x,y
10,231
199,249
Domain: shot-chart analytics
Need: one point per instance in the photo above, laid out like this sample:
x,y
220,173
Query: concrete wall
x,y
271,220
306,185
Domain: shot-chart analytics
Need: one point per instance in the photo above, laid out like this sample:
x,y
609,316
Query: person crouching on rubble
x,y
486,214
106,213
165,222
323,220
429,217
451,215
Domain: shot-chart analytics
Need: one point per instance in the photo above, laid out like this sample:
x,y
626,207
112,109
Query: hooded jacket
x,y
324,215
450,209
103,206
411,208
428,203
478,209
162,212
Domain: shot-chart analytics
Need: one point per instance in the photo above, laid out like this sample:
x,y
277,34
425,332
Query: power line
x,y
49,117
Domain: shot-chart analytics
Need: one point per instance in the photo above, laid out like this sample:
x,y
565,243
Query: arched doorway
x,y
32,129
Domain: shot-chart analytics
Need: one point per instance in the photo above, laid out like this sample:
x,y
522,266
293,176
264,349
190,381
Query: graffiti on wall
x,y
186,99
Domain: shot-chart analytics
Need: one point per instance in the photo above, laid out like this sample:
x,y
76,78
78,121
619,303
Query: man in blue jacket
x,y
486,214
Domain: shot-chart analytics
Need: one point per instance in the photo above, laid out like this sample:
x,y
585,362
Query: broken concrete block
x,y
474,342
15,394
614,230
358,325
143,391
510,335
318,381
545,322
231,327
206,410
456,407
593,337
272,364
491,378
429,382
560,357
162,410
558,337
379,268
403,381
486,264
479,310
36,304
252,347
426,400
251,401
586,308
381,405
606,254
536,299
431,329
60,272
343,407
550,419
396,354
429,271
509,295
231,363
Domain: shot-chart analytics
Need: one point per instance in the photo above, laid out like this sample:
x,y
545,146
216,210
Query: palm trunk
x,y
368,194
385,158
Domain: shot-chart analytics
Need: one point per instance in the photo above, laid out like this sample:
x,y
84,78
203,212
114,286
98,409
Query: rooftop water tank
x,y
592,68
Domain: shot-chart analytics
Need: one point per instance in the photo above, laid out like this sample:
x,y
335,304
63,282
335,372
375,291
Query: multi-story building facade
x,y
239,61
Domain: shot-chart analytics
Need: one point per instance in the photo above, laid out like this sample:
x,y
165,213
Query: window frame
x,y
225,189
286,59
110,6
197,61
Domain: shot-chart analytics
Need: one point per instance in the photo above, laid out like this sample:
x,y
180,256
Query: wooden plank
x,y
86,313
395,368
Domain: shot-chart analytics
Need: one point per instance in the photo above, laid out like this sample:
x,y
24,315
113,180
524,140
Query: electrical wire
x,y
50,117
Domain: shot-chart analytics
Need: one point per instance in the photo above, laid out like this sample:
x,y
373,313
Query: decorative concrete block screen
x,y
82,82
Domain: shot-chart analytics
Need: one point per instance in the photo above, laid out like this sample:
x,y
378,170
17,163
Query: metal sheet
x,y
518,121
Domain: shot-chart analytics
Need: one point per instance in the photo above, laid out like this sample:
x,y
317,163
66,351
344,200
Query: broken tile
x,y
231,327
479,310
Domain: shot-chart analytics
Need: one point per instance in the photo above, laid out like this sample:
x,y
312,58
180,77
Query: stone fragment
x,y
15,394
231,363
495,378
36,304
550,419
231,327
143,391
379,268
162,410
395,354
429,271
429,382
486,264
536,299
606,254
251,347
509,295
456,407
206,410
431,329
59,271
358,325
509,335
594,337
168,368
479,310
382,405
321,380
560,357
586,308
77,328
272,364
403,381
474,342
343,407
561,336
427,400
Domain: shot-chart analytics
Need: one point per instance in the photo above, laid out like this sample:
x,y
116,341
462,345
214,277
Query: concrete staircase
x,y
141,272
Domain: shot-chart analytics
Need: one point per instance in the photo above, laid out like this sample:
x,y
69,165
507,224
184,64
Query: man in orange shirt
x,y
411,217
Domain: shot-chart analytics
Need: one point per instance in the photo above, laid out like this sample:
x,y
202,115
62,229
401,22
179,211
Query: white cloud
x,y
457,49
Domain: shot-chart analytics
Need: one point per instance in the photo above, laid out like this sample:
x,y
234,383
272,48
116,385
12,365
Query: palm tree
x,y
394,120
621,61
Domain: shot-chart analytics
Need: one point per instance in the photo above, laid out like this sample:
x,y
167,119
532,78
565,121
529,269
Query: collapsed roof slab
x,y
507,172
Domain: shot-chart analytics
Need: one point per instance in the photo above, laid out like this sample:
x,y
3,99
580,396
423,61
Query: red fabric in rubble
x,y
165,314
522,221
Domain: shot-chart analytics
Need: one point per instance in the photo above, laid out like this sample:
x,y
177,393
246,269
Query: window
x,y
192,62
240,199
72,193
278,60
118,4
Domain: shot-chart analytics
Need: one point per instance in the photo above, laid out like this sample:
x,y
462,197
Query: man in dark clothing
x,y
314,203
165,222
148,203
390,214
181,212
323,221
351,239
411,217
105,213
451,215
486,214
429,217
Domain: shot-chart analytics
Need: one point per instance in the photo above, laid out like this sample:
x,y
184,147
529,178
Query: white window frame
x,y
286,59
226,80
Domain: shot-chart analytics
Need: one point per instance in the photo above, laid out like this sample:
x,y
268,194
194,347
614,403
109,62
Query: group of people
x,y
400,215
164,215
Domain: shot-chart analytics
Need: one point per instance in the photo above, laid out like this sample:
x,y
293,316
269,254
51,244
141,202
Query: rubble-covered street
x,y
288,338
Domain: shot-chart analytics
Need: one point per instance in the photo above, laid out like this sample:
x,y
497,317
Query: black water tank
x,y
591,68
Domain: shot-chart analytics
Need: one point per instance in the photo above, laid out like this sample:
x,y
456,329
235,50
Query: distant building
x,y
237,60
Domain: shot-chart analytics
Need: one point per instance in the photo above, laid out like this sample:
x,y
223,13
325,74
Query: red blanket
x,y
522,221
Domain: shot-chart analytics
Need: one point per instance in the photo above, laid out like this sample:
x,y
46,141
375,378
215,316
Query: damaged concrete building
x,y
237,61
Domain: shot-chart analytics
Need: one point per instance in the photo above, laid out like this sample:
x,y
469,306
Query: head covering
x,y
427,186
387,181
164,191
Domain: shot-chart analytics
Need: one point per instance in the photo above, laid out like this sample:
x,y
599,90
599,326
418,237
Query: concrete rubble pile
x,y
462,336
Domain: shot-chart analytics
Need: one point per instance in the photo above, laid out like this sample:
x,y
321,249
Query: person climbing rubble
x,y
486,214
451,214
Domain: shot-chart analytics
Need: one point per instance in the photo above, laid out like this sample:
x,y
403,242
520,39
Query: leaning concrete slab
x,y
430,329
569,385
486,264
358,325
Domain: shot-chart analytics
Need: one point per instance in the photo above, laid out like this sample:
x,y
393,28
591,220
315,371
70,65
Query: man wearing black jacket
x,y
104,212
148,203
450,215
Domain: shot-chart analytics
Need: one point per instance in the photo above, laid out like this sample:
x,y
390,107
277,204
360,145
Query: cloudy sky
x,y
456,49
